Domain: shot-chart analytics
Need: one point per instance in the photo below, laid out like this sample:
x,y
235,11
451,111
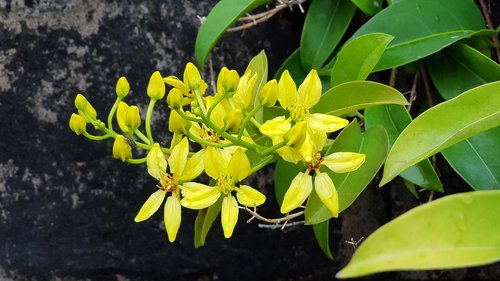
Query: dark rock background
x,y
67,207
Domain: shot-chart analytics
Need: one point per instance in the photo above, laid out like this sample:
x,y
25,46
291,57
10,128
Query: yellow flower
x,y
77,124
128,117
121,148
122,87
227,81
227,171
181,169
156,86
301,186
244,96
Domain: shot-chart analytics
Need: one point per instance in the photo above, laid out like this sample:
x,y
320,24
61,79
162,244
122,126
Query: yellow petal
x,y
194,167
250,197
156,162
201,199
327,193
121,148
151,205
269,93
172,217
239,166
276,127
191,187
287,90
178,158
310,90
192,77
122,87
290,154
229,215
156,86
326,123
176,83
296,135
213,161
343,162
297,193
121,116
77,124
244,96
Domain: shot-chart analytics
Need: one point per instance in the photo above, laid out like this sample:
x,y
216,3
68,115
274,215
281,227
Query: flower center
x,y
225,184
168,183
299,112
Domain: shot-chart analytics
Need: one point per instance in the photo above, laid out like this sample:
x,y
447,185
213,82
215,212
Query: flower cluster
x,y
233,142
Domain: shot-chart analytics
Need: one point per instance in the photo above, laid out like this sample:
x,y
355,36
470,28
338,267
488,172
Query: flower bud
x,y
192,77
227,81
121,148
177,124
233,120
128,117
122,87
269,93
77,124
175,99
156,86
176,83
81,102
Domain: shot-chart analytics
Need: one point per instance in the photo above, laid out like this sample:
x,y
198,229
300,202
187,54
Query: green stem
x,y
137,161
263,163
273,148
212,107
112,112
149,113
200,102
96,138
204,142
142,136
248,117
187,117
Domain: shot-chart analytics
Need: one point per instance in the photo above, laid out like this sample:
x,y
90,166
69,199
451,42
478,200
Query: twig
x,y
413,92
354,243
489,24
392,79
253,20
280,226
212,76
272,221
427,87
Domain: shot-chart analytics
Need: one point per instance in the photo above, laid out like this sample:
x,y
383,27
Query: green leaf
x,y
476,159
369,7
394,118
358,57
374,143
258,65
221,17
351,96
284,174
460,68
321,232
294,67
443,125
457,69
325,24
204,221
422,27
452,232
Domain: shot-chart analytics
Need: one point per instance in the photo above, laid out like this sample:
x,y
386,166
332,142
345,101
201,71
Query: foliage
x,y
250,121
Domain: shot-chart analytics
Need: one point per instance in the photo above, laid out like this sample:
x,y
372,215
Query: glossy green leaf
x,y
358,57
422,27
369,7
325,24
452,232
457,69
284,174
443,125
204,222
294,67
321,232
258,65
476,159
351,96
394,118
460,68
221,17
374,143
